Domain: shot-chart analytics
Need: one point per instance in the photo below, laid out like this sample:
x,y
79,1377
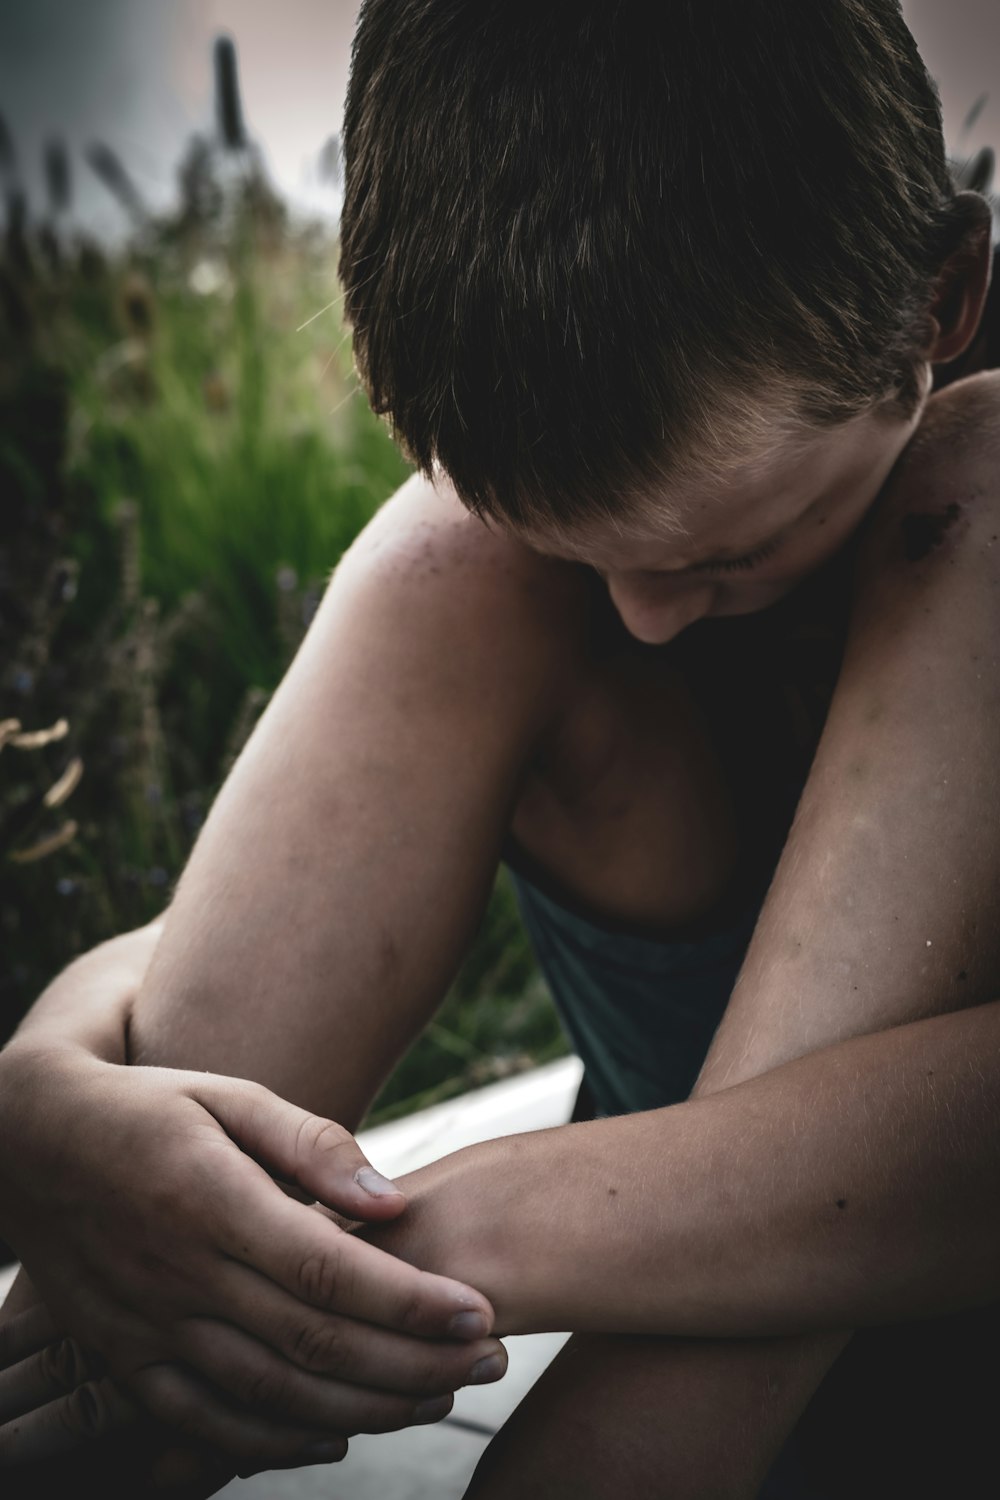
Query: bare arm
x,y
881,911
323,911
899,1128
348,858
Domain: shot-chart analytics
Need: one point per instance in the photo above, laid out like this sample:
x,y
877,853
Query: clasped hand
x,y
183,1284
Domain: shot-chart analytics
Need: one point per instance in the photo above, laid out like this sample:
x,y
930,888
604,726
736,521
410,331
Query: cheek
x,y
751,598
655,610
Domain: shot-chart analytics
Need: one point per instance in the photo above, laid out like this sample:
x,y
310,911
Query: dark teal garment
x,y
640,1012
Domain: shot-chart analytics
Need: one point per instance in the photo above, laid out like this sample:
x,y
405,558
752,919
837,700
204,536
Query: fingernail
x,y
468,1325
491,1367
373,1182
433,1411
325,1453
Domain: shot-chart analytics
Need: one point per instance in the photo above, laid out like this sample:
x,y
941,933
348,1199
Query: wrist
x,y
35,1085
89,1005
489,1215
457,1223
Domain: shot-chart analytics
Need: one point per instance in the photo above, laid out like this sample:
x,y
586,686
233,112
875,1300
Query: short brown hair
x,y
582,239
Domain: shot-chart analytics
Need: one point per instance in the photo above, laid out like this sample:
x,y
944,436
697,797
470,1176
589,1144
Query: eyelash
x,y
749,561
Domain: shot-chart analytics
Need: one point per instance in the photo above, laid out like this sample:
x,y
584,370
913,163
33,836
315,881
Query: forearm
x,y
855,1185
902,794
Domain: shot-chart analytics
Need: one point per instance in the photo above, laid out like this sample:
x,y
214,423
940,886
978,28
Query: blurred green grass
x,y
186,456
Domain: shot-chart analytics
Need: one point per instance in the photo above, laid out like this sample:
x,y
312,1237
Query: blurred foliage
x,y
184,456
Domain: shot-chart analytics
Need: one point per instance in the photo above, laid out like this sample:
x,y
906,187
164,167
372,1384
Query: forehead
x,y
693,521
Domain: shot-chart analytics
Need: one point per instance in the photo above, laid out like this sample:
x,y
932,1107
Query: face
x,y
747,544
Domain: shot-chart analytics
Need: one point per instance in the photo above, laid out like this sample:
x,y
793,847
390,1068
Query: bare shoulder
x,y
960,428
941,505
424,542
424,529
430,601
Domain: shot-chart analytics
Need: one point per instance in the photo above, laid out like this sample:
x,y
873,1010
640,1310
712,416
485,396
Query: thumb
x,y
315,1153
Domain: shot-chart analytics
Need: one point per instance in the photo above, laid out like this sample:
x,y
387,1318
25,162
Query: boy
x,y
658,297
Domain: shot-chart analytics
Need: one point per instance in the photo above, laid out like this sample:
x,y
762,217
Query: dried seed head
x,y
45,846
34,739
68,781
112,172
8,729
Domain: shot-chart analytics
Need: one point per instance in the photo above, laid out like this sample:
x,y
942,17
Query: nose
x,y
656,607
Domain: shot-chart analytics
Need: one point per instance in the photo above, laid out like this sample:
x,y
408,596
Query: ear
x,y
960,291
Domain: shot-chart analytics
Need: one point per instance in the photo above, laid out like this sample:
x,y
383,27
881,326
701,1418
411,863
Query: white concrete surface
x,y
7,1274
530,1101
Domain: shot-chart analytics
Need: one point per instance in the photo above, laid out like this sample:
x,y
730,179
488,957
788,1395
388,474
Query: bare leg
x,y
617,1416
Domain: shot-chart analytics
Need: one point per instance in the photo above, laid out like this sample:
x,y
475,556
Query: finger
x,y
91,1412
334,1344
262,1381
26,1333
306,1149
55,1370
326,1268
197,1412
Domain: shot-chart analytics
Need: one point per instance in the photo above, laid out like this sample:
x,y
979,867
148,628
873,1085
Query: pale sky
x,y
137,74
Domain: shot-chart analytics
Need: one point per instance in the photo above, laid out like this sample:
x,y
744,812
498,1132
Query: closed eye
x,y
749,561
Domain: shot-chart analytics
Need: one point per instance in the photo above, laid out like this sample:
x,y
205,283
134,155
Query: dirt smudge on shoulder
x,y
924,530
